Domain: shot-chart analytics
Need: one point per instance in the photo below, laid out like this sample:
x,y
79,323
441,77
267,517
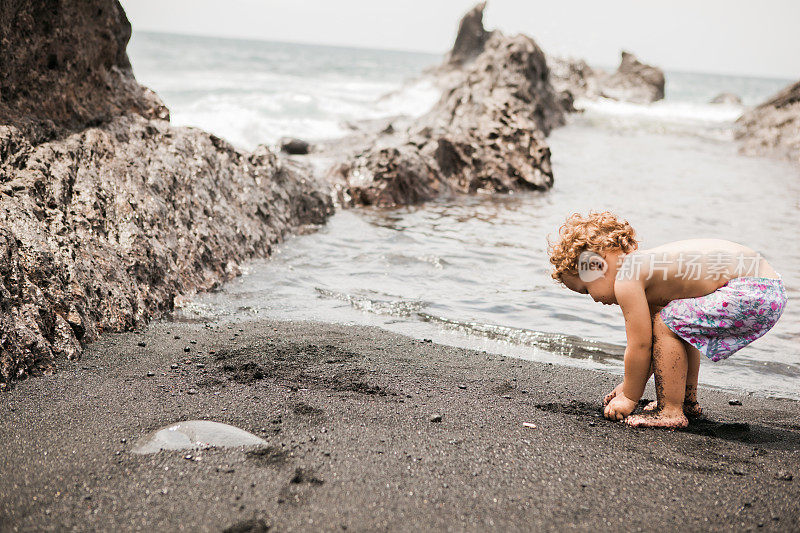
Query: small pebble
x,y
151,374
142,344
187,349
507,397
191,391
784,476
177,337
462,387
192,342
529,425
173,366
734,402
123,440
436,418
200,365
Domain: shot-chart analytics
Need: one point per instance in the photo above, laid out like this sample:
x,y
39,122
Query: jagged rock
x,y
726,98
633,80
471,37
107,212
774,126
294,146
485,134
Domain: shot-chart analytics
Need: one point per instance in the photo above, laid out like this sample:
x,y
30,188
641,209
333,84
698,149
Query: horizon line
x,y
443,54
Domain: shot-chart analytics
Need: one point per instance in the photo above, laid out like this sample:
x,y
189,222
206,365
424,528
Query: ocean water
x,y
255,92
473,271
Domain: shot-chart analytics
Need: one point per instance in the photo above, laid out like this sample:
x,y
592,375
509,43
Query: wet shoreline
x,y
367,429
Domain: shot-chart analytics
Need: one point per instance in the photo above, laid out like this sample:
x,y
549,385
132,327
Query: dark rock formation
x,y
294,146
485,134
471,37
726,98
774,126
107,212
633,80
64,67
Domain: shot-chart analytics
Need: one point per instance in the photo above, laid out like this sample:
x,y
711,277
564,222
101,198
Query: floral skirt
x,y
728,319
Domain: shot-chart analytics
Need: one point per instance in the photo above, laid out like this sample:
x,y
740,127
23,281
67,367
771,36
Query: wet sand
x,y
355,442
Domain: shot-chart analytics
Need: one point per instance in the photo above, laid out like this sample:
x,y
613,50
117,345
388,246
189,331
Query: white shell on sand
x,y
195,434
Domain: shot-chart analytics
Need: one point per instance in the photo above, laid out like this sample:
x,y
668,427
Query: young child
x,y
681,301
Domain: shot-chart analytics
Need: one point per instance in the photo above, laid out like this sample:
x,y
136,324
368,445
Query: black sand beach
x,y
349,415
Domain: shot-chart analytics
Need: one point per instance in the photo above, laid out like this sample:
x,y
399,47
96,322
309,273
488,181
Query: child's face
x,y
600,289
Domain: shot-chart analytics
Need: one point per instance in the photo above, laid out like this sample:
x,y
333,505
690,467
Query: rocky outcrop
x,y
726,99
633,81
774,126
485,134
107,212
65,67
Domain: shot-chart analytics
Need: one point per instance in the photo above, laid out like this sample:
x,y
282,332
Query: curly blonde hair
x,y
598,232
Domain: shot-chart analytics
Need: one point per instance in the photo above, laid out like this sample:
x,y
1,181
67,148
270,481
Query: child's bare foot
x,y
690,409
659,419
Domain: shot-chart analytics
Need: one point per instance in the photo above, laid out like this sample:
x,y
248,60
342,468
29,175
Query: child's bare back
x,y
691,268
681,301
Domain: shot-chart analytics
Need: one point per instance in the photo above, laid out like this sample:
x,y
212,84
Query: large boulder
x,y
108,212
633,81
485,134
774,126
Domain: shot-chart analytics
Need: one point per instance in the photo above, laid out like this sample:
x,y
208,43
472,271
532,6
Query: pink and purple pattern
x,y
728,319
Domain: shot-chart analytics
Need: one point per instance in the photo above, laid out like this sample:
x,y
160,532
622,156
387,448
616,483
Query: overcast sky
x,y
725,36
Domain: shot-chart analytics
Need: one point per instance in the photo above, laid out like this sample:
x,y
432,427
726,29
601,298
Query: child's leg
x,y
671,364
691,407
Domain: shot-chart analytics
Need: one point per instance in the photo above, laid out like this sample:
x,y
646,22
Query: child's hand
x,y
610,396
619,407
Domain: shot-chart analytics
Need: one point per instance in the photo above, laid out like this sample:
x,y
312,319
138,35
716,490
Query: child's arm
x,y
638,329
